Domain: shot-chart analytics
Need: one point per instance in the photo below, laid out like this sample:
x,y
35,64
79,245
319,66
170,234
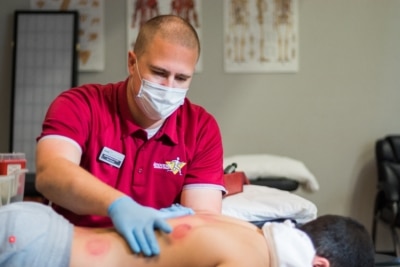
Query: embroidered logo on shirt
x,y
175,166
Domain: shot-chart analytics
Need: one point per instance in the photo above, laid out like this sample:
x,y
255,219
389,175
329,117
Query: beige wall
x,y
329,114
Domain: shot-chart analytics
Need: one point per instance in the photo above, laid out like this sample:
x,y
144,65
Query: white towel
x,y
289,247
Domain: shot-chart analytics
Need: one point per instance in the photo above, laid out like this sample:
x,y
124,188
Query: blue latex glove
x,y
176,210
137,223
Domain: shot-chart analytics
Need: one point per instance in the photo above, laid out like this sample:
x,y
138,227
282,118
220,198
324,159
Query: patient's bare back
x,y
196,241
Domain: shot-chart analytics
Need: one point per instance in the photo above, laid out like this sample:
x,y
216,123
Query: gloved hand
x,y
137,223
176,210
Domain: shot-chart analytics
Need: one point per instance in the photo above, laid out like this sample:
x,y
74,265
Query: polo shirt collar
x,y
169,128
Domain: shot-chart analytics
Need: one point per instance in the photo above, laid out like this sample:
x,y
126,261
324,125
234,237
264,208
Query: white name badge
x,y
111,157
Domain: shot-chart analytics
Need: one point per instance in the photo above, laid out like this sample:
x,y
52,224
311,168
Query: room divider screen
x,y
45,50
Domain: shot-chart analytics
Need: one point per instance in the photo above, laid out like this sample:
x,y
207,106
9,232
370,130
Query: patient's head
x,y
341,240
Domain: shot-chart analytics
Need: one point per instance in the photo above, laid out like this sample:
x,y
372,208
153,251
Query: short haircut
x,y
341,240
169,27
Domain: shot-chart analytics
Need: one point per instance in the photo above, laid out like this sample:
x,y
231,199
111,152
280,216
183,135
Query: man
x,y
118,149
33,234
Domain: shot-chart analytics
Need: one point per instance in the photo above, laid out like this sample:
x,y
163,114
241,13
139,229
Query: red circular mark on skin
x,y
97,247
180,231
12,239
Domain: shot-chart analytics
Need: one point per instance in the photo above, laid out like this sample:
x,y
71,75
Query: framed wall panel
x,y
261,36
44,64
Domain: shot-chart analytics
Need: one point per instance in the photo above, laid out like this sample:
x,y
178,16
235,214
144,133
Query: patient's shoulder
x,y
223,241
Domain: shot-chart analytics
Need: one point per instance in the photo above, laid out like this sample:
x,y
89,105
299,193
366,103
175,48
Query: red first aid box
x,y
10,162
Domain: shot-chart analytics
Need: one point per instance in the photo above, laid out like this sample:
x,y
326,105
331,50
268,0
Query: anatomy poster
x,y
140,11
261,36
91,29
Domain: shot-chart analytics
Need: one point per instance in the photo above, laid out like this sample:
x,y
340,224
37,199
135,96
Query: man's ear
x,y
320,262
132,61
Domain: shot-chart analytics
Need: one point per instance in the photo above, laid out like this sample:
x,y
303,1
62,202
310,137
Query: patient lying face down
x,y
34,235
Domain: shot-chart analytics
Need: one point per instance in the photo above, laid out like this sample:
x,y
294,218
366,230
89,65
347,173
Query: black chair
x,y
387,201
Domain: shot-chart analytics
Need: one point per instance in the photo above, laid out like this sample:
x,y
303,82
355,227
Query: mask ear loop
x,y
137,68
140,77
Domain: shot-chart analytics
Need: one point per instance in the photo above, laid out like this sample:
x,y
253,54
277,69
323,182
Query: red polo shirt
x,y
185,153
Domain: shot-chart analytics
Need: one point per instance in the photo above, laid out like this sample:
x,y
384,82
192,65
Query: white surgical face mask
x,y
158,102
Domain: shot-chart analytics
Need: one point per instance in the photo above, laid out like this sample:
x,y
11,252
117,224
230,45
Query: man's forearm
x,y
68,185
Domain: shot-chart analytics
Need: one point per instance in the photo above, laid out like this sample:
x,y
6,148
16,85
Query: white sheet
x,y
266,165
290,247
261,203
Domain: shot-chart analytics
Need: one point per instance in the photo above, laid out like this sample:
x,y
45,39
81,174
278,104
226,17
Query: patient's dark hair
x,y
341,240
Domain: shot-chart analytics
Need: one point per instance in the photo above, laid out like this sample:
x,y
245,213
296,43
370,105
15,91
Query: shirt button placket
x,y
141,159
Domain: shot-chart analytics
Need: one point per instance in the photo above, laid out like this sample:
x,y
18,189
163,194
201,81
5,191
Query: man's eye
x,y
159,73
181,79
